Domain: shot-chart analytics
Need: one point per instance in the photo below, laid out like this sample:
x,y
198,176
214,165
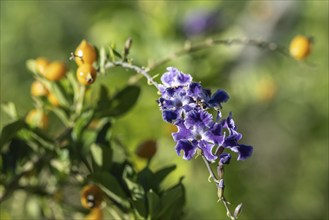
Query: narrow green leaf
x,y
60,93
82,123
10,130
115,52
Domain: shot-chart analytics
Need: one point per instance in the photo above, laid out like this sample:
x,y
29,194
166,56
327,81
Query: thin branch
x,y
189,48
211,172
135,68
222,199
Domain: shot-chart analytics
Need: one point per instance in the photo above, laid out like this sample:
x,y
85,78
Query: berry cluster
x,y
85,56
186,104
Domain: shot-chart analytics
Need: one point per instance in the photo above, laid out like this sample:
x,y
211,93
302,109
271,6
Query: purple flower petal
x,y
207,150
182,133
174,78
218,97
198,118
187,147
225,158
216,134
244,151
169,115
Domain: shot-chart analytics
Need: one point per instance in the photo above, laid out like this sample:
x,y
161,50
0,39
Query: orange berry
x,y
52,99
86,74
91,196
85,53
37,118
95,214
41,64
146,149
300,47
55,71
38,89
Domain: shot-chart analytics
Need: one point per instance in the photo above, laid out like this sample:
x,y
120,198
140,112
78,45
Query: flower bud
x,y
220,191
237,210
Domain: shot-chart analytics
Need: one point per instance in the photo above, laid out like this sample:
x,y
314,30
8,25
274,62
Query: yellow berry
x,y
53,100
55,71
91,196
95,214
146,149
86,74
41,64
38,89
300,47
85,53
37,118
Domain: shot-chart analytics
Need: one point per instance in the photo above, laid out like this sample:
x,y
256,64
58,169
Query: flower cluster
x,y
186,104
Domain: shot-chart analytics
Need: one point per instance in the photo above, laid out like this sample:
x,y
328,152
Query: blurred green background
x,y
279,104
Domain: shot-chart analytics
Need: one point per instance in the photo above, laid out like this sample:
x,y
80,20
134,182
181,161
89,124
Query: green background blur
x,y
279,104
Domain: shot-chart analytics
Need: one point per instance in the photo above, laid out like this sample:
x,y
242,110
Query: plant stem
x,y
79,104
135,68
212,174
189,48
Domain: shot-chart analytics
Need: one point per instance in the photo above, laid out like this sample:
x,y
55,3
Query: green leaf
x,y
150,180
153,201
103,133
123,101
160,175
17,150
103,102
97,152
114,52
60,92
140,206
82,123
102,155
10,109
172,201
10,130
145,178
110,186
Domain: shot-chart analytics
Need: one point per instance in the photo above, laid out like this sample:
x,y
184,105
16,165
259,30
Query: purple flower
x,y
174,78
202,133
186,103
231,141
187,147
217,98
225,158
